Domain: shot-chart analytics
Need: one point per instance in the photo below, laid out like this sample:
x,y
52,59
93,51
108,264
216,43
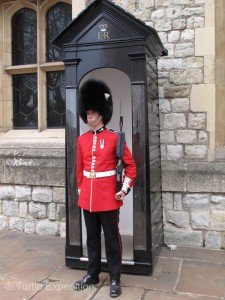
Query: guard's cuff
x,y
126,185
78,190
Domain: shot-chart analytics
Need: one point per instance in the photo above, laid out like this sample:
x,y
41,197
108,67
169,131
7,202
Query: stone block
x,y
184,50
173,176
202,137
163,25
35,171
169,64
42,194
193,202
189,11
182,238
186,136
158,14
179,24
2,170
178,218
177,201
10,208
197,120
59,194
23,193
3,222
196,151
16,224
37,210
173,12
194,62
213,240
167,199
167,137
180,105
218,220
174,121
52,211
204,46
182,91
200,220
218,202
186,76
62,229
23,209
61,212
7,192
206,177
188,36
173,36
174,152
46,227
164,106
29,226
195,22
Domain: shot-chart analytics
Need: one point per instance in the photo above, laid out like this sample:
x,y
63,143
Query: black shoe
x,y
115,288
85,282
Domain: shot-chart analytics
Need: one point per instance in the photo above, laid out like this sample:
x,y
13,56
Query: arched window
x,y
24,37
58,17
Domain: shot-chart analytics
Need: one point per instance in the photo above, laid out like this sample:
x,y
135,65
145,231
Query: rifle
x,y
119,154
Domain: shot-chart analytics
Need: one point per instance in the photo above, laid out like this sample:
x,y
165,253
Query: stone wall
x,y
193,182
32,188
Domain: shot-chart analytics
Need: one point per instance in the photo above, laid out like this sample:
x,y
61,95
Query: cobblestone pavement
x,y
33,267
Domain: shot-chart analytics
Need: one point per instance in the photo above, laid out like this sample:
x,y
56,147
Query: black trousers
x,y
109,222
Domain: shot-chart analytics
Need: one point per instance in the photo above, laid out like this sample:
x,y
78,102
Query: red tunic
x,y
96,152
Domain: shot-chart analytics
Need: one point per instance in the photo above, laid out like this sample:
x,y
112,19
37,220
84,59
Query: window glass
x,y
56,99
58,17
24,37
25,101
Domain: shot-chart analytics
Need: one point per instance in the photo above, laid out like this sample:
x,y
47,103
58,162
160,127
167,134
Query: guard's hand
x,y
120,195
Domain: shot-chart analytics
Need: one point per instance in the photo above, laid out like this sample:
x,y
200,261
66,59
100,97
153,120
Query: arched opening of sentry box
x,y
120,87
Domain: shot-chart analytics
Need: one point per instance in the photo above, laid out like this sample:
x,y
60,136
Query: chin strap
x,y
92,123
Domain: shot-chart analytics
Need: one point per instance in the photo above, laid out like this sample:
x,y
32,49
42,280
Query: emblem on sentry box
x,y
103,27
103,33
102,144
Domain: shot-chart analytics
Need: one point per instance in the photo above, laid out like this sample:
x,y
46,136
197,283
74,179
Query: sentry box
x,y
107,43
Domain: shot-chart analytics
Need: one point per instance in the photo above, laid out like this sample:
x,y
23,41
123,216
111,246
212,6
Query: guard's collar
x,y
98,130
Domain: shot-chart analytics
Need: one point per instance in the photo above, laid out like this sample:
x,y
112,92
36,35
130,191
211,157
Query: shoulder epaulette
x,y
111,130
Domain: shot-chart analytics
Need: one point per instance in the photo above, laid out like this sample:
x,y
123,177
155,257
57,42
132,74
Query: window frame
x,y
41,67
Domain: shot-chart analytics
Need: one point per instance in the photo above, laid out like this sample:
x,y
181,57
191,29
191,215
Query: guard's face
x,y
93,117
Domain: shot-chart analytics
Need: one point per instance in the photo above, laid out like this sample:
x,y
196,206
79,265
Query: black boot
x,y
85,282
115,288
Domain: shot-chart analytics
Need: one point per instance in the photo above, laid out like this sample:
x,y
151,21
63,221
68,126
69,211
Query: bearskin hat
x,y
95,95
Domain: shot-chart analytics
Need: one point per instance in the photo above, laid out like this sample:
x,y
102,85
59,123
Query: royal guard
x,y
97,183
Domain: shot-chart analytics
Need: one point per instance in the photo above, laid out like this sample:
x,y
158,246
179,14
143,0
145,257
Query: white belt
x,y
99,174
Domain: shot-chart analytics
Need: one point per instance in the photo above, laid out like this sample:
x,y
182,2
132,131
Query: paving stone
x,y
205,278
63,290
39,264
151,295
16,289
200,254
